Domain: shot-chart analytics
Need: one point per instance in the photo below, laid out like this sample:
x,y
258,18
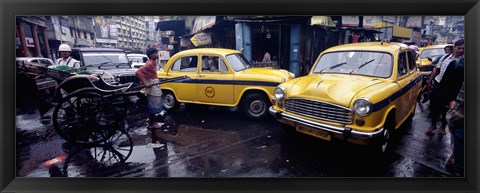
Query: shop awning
x,y
172,25
203,22
322,21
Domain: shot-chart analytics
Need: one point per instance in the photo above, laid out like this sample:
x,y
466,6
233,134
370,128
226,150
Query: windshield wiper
x,y
332,67
121,64
103,63
362,65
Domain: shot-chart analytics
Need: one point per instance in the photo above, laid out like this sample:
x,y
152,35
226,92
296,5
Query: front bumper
x,y
346,132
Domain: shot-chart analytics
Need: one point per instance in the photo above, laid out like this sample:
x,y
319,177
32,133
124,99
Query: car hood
x,y
265,74
113,71
336,89
424,62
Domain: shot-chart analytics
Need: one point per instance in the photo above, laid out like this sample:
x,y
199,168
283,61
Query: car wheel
x,y
255,105
382,144
169,101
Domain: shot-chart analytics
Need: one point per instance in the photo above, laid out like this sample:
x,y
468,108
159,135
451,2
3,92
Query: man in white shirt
x,y
437,108
65,59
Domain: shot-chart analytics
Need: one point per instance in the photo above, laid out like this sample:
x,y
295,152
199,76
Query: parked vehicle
x,y
426,56
221,77
46,61
112,64
138,60
358,92
42,82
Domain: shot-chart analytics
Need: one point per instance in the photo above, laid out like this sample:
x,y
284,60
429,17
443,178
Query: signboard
x,y
203,22
322,21
350,21
30,42
105,30
370,21
163,55
201,39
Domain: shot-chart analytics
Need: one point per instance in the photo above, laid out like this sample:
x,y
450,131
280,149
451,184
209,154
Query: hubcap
x,y
257,107
169,101
386,137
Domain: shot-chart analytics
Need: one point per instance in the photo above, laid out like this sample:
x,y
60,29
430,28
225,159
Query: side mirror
x,y
130,62
429,59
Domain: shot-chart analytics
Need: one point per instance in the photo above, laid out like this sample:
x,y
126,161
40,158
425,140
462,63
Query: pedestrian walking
x,y
457,129
147,74
441,89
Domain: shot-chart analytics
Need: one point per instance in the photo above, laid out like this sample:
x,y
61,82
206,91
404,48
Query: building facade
x,y
31,37
76,31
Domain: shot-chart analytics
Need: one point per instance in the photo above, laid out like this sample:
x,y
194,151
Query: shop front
x,y
272,42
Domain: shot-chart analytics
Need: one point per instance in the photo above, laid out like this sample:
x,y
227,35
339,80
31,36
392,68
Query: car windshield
x,y
105,59
136,59
238,62
377,64
432,53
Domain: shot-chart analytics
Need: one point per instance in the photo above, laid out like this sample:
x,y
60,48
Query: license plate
x,y
314,132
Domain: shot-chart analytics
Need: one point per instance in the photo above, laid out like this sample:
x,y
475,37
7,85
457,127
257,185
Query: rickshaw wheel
x,y
115,150
85,118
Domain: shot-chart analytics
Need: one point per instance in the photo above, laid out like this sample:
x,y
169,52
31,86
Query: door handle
x,y
201,75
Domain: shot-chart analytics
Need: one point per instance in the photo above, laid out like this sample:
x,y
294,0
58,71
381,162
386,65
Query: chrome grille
x,y
319,110
128,78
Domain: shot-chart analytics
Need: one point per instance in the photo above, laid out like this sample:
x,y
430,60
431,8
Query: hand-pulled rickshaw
x,y
89,110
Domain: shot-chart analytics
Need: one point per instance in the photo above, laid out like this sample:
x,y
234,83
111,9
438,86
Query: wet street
x,y
202,141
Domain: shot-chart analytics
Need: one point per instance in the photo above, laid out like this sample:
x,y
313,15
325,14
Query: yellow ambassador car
x,y
356,92
426,56
221,77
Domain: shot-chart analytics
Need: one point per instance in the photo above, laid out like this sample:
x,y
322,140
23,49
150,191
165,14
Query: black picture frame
x,y
9,9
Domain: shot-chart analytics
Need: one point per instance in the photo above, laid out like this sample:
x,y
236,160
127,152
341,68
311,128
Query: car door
x,y
184,66
403,80
414,82
215,81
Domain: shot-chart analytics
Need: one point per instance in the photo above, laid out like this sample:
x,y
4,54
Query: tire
x,y
169,101
85,118
255,105
116,149
381,144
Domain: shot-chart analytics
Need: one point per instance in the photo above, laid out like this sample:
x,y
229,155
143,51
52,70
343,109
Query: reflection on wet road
x,y
202,141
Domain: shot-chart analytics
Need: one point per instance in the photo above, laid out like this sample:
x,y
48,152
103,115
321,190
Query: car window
x,y
185,64
402,64
238,62
213,64
411,61
368,63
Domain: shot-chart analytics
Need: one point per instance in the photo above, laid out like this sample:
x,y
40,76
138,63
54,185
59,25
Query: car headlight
x,y
279,93
362,106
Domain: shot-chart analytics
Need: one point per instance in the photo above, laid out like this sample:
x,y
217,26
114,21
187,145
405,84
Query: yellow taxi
x,y
426,56
357,92
221,77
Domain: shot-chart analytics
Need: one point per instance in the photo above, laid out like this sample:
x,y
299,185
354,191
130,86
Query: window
x,y
213,64
411,61
185,64
402,64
